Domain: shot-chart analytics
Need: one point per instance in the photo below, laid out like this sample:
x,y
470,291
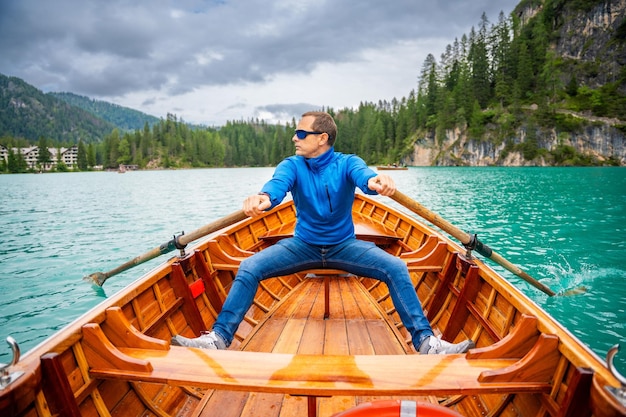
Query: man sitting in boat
x,y
322,183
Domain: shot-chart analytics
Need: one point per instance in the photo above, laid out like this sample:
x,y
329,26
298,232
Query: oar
x,y
178,242
467,239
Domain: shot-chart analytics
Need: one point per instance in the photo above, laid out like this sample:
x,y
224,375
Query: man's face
x,y
312,145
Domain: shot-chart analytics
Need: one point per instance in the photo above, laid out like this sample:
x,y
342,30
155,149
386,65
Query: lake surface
x,y
563,226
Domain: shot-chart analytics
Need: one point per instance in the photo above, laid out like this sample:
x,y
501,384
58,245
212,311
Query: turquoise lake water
x,y
563,226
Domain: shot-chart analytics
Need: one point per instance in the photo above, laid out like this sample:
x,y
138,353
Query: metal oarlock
x,y
178,245
618,393
6,377
174,243
471,245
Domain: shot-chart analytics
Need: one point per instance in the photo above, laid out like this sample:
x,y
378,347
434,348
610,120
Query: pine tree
x,y
43,157
524,80
479,62
81,157
91,155
502,60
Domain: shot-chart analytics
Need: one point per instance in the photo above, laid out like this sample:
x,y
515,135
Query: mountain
x,y
544,86
26,112
122,117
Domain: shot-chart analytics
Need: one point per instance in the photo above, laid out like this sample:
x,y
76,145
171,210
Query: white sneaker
x,y
207,340
433,345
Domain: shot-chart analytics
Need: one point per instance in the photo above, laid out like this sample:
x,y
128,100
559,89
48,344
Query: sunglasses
x,y
302,134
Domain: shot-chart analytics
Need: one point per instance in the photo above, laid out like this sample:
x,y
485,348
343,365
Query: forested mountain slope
x,y
122,117
28,113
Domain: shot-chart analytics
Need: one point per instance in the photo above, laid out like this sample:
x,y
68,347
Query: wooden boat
x,y
391,168
320,342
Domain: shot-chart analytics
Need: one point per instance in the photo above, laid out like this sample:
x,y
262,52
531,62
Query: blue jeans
x,y
354,256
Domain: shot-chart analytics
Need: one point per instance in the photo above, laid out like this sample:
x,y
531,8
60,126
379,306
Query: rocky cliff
x,y
599,141
592,38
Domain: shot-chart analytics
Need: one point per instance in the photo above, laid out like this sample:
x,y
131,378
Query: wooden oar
x,y
466,239
178,242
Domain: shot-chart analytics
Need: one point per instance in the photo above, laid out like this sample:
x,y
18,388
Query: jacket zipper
x,y
329,202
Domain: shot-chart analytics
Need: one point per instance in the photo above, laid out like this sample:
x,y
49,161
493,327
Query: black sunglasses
x,y
302,134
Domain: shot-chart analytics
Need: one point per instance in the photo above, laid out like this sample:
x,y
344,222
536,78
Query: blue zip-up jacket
x,y
323,192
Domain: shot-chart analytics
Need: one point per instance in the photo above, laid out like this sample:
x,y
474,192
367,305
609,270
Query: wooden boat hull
x,y
318,342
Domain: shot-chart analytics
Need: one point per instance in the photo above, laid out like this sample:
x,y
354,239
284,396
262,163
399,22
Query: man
x,y
322,183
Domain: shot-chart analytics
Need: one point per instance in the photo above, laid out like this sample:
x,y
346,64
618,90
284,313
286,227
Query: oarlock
x,y
7,377
618,393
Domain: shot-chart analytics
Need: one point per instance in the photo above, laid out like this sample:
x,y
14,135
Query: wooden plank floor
x,y
356,326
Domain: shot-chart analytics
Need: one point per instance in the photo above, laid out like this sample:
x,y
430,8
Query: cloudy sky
x,y
213,61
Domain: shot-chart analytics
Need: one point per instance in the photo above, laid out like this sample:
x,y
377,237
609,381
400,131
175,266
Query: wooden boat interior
x,y
313,343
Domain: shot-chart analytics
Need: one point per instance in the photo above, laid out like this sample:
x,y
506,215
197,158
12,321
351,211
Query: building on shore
x,y
69,156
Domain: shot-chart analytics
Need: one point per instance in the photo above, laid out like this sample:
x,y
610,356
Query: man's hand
x,y
383,184
256,204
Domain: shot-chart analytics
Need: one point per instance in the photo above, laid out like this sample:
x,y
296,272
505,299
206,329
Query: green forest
x,y
488,83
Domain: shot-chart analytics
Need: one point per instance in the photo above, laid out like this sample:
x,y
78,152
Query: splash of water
x,y
569,280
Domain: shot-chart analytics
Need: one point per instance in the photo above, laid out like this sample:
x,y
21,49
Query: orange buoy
x,y
398,408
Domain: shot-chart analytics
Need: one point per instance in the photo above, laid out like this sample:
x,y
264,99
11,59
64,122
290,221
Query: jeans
x,y
354,256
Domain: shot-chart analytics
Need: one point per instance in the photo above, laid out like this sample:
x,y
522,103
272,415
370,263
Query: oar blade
x,y
573,291
96,278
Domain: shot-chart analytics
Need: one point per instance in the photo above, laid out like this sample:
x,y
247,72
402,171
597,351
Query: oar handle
x,y
212,227
434,218
179,242
466,238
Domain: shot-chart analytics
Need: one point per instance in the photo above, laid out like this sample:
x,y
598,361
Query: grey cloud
x,y
114,48
235,106
285,111
149,101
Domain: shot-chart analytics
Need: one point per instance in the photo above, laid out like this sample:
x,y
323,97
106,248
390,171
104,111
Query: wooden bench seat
x,y
316,375
509,366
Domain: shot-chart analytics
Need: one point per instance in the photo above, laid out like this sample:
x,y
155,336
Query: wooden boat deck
x,y
356,325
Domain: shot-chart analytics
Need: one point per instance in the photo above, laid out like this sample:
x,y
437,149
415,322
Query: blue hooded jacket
x,y
323,192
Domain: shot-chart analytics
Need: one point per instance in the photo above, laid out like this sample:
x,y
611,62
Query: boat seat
x,y
124,353
431,260
429,257
365,229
